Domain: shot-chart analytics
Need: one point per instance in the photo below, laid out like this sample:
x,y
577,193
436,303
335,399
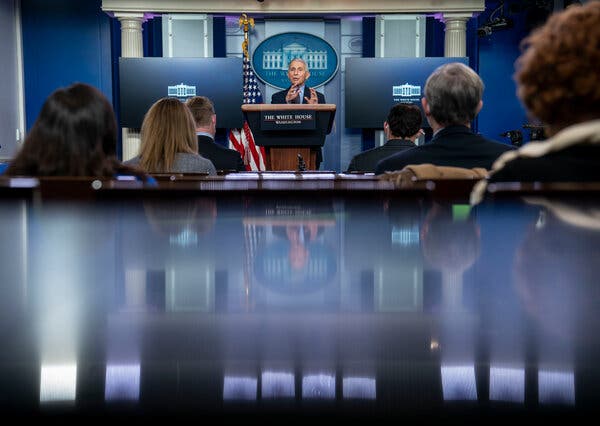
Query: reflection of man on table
x,y
299,236
299,92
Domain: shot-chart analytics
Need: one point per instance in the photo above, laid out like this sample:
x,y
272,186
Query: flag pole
x,y
242,139
246,24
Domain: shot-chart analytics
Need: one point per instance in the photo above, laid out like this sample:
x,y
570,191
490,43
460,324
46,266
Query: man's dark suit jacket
x,y
222,158
367,161
454,146
279,98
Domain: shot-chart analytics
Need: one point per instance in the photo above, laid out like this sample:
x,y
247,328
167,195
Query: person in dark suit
x,y
452,100
206,125
402,127
299,92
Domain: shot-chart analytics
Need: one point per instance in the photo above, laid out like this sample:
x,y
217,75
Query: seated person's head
x,y
557,74
168,128
204,113
75,134
403,122
453,95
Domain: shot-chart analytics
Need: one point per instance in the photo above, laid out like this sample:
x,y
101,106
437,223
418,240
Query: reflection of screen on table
x,y
143,81
374,85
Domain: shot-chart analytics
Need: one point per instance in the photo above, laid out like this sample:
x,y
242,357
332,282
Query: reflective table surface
x,y
300,308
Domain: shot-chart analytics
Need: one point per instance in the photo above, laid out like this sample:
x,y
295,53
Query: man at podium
x,y
299,92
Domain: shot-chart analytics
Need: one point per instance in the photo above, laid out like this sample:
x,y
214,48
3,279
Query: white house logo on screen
x,y
406,93
273,55
181,91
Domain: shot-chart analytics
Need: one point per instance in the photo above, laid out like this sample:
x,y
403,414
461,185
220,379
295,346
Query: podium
x,y
289,130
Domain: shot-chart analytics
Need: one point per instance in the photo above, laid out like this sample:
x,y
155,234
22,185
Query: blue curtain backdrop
x,y
368,51
64,41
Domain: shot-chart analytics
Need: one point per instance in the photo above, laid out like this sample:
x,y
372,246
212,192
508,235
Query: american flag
x,y
242,140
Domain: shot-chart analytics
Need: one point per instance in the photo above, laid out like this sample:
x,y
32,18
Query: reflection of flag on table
x,y
242,140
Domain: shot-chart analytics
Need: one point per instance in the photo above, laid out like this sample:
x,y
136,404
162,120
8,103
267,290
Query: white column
x,y
455,44
131,47
131,34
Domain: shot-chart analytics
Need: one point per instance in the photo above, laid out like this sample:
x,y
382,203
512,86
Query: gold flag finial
x,y
246,24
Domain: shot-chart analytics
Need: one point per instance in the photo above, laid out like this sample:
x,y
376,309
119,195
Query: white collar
x,y
205,134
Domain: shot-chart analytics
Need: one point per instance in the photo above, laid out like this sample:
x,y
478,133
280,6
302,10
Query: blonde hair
x,y
168,128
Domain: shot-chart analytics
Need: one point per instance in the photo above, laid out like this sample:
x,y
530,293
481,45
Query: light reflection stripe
x,y
58,382
122,383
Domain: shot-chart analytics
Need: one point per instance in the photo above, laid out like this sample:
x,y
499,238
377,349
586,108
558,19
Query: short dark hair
x,y
202,109
404,120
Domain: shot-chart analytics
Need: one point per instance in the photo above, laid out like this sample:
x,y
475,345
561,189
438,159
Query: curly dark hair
x,y
404,120
557,73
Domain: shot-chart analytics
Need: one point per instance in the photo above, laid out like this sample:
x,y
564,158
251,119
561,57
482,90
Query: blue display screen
x,y
143,81
374,85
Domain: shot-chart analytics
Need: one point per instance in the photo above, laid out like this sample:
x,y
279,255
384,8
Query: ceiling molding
x,y
269,7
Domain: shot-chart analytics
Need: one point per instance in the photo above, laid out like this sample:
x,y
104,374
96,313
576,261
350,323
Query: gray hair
x,y
299,60
453,92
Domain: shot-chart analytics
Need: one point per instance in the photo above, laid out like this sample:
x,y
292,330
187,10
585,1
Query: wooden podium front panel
x,y
286,158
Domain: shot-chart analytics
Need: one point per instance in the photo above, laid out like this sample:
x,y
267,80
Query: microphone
x,y
301,164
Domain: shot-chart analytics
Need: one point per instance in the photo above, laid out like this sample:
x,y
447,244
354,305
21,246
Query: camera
x,y
536,132
497,24
515,136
